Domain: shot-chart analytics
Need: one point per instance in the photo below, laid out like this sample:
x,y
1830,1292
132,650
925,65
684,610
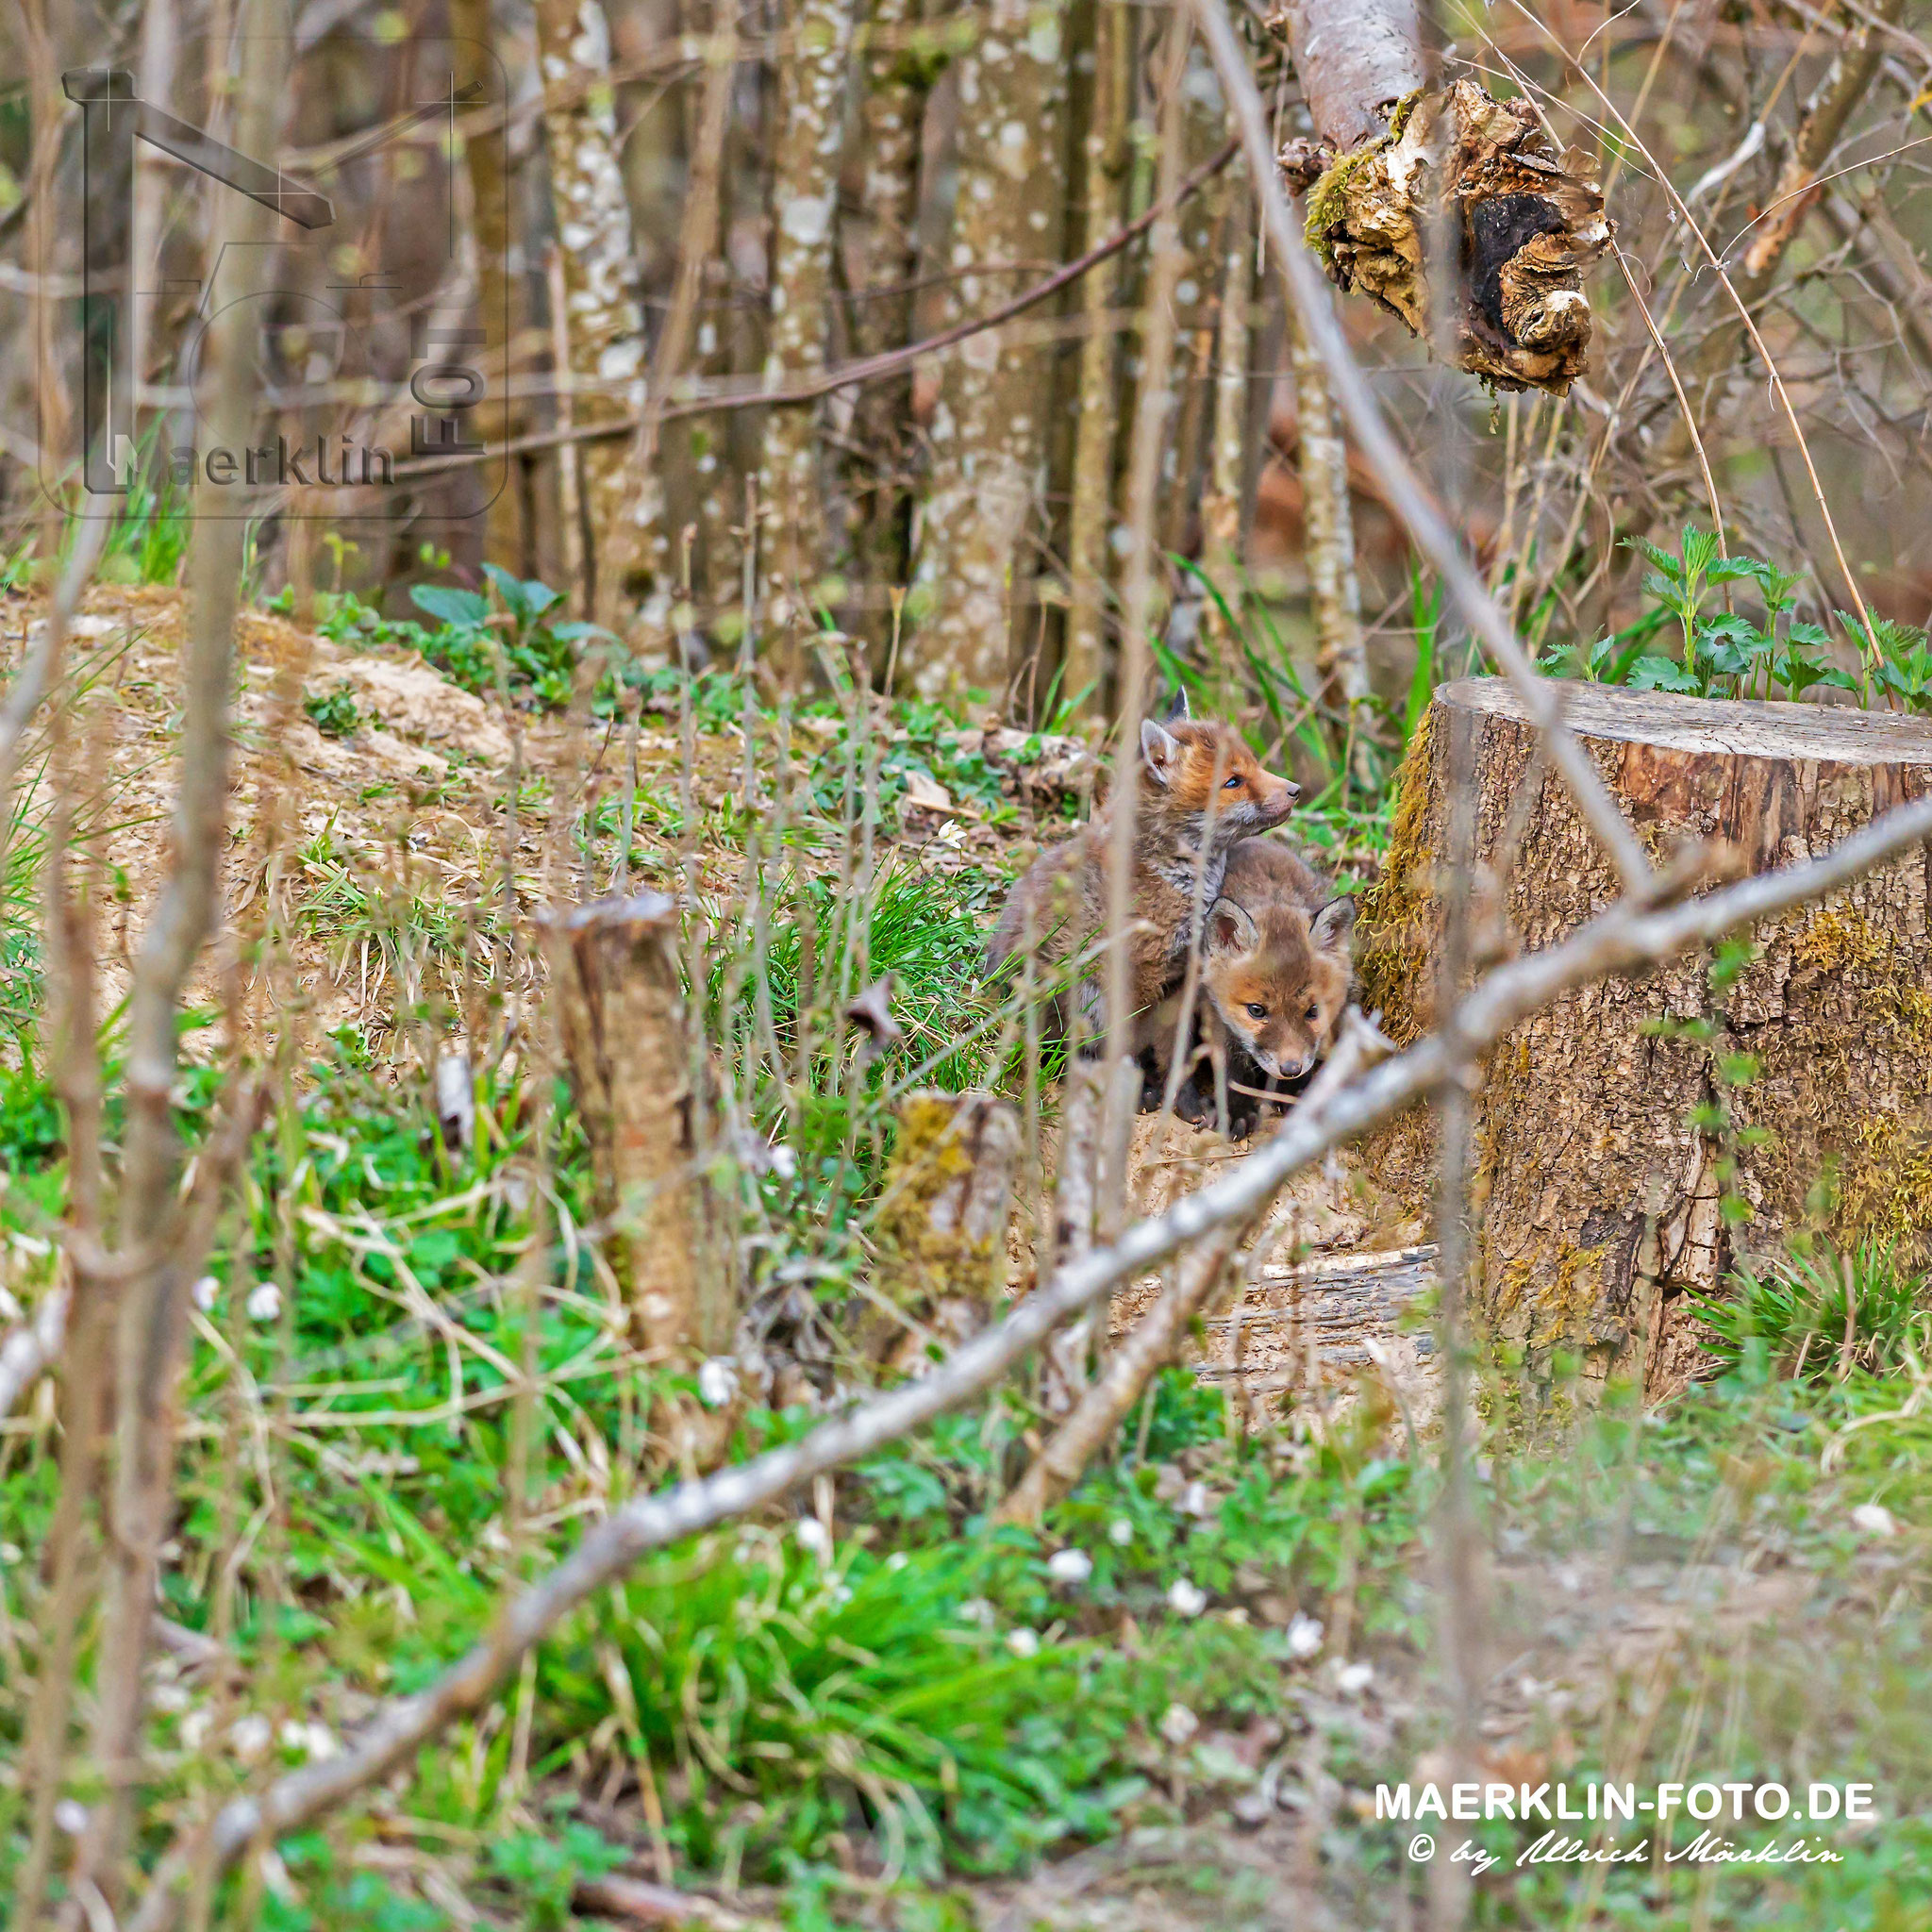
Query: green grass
x,y
1821,1313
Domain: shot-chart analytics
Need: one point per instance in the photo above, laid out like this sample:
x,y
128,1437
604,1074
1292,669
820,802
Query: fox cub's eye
x,y
1256,1012
1314,1014
1234,784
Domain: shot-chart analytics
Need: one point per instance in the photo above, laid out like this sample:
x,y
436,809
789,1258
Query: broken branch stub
x,y
1527,220
620,1001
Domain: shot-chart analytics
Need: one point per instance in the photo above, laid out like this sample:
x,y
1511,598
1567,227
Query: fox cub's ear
x,y
1179,708
1229,928
1161,749
1334,926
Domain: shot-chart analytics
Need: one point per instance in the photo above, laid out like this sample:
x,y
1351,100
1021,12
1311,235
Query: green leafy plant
x,y
1821,1314
334,710
540,655
1727,654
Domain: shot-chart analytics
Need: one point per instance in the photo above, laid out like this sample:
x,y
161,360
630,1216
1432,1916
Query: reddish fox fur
x,y
1199,790
1276,975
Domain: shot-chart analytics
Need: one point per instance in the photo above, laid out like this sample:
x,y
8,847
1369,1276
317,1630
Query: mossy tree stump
x,y
1641,1138
940,1226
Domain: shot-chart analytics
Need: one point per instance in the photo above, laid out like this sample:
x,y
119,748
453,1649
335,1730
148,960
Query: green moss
x,y
1887,1190
1396,928
1328,197
1841,936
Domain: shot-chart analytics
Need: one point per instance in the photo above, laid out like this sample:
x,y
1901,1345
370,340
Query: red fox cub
x,y
1275,973
1199,790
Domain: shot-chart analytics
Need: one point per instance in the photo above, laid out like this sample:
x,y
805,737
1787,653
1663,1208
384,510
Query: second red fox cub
x,y
1276,975
1199,789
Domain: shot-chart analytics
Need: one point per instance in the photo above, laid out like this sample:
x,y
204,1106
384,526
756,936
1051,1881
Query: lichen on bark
x,y
603,320
988,431
805,194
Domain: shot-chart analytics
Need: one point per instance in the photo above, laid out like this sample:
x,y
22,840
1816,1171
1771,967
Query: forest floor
x,y
876,1711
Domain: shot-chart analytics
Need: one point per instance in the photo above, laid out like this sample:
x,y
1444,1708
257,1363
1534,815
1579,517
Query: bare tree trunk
x,y
158,47
1204,128
990,432
472,29
804,199
601,322
697,236
885,260
1356,63
1091,520
1329,542
1393,163
1221,506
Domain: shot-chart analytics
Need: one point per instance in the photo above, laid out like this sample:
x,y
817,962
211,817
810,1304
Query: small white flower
x,y
1874,1519
1178,1723
264,1302
814,1536
976,1610
1186,1599
203,1292
10,1552
1022,1642
1194,1502
250,1736
784,1163
1120,1532
717,1382
70,1814
1304,1634
170,1699
194,1729
1352,1679
313,1739
1069,1566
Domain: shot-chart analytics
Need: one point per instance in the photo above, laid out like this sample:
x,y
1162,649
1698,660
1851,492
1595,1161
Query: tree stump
x,y
1641,1138
615,977
940,1226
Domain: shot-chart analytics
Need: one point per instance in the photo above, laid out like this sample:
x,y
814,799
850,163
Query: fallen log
x,y
1640,1138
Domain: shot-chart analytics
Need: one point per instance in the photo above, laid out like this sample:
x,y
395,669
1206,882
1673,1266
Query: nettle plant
x,y
1729,654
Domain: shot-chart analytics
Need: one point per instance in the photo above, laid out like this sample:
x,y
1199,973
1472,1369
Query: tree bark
x,y
941,1223
1394,163
989,432
1328,543
1097,414
614,969
883,263
804,198
1614,1162
602,321
1228,457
